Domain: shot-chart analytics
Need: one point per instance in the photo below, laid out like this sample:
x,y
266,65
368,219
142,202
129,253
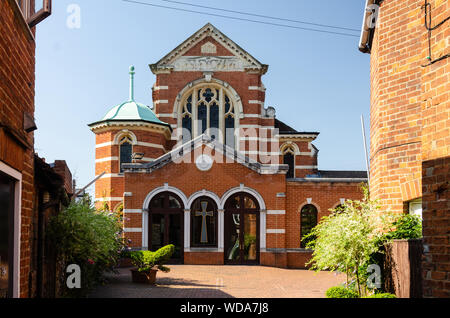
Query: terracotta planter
x,y
143,277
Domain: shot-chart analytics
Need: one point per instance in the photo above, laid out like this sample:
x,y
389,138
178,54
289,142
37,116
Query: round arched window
x,y
204,223
308,220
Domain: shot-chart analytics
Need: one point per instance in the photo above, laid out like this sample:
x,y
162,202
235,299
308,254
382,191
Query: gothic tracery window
x,y
208,110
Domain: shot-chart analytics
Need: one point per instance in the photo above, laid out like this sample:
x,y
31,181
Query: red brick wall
x,y
17,65
410,124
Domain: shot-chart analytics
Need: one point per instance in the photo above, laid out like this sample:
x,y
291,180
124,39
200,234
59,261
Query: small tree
x,y
346,240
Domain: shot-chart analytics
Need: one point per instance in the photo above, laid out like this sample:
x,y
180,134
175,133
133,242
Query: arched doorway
x,y
242,230
166,223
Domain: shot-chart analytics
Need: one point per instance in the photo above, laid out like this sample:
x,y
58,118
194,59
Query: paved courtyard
x,y
196,281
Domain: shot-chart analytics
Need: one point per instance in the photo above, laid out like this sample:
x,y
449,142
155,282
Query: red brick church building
x,y
209,168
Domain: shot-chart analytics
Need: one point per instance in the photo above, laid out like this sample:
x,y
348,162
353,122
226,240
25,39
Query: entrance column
x,y
187,229
262,230
221,225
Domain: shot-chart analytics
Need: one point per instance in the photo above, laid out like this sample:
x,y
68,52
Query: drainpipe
x,y
365,30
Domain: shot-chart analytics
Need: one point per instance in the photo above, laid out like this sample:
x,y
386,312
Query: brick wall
x,y
17,65
410,124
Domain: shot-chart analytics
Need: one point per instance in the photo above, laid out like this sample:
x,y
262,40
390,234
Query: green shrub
x,y
406,227
147,260
341,292
88,238
382,295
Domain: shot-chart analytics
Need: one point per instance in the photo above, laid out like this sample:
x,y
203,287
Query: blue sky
x,y
316,81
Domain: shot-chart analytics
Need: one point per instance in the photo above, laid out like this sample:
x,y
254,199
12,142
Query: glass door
x,y
166,224
241,231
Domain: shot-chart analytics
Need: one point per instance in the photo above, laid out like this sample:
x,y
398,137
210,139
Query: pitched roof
x,y
284,129
251,63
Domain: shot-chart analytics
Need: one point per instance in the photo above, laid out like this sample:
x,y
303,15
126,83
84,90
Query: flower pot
x,y
148,277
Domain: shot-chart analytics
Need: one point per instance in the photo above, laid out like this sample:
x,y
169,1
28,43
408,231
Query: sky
x,y
316,81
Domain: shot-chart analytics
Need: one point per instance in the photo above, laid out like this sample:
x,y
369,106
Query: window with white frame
x,y
208,109
415,207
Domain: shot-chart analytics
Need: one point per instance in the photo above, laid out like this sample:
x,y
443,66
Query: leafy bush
x,y
88,238
407,226
147,260
341,292
382,295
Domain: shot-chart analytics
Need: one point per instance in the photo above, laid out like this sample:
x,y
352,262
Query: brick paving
x,y
205,281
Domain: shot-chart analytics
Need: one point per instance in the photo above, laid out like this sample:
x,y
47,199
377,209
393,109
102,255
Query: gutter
x,y
332,180
365,37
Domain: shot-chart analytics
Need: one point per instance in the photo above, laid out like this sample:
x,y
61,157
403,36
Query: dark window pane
x,y
232,252
204,220
249,203
289,160
189,104
173,202
208,95
158,231
214,121
227,104
158,202
187,128
229,131
125,154
202,118
308,221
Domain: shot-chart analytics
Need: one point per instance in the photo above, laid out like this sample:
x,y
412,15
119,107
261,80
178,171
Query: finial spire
x,y
132,83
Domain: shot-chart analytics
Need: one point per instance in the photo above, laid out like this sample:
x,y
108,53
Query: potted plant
x,y
148,263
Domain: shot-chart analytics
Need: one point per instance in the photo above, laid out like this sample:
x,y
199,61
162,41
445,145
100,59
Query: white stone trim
x,y
257,152
164,188
157,88
242,188
112,175
276,212
107,199
256,102
276,231
106,159
17,176
305,167
125,132
262,230
132,229
161,101
165,115
145,229
202,193
105,144
187,228
148,159
150,145
256,88
132,211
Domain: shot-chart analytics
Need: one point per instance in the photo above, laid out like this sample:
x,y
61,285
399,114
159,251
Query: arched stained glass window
x,y
308,220
208,110
126,151
204,223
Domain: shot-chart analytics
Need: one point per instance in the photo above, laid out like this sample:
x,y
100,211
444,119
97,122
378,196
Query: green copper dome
x,y
131,110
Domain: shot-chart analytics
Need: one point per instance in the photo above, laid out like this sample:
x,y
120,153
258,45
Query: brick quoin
x,y
282,197
410,124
